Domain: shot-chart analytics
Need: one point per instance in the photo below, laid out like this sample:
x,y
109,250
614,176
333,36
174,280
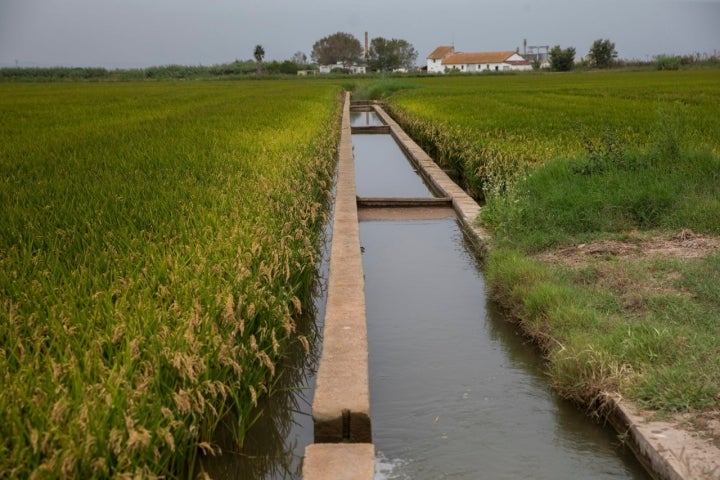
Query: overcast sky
x,y
141,33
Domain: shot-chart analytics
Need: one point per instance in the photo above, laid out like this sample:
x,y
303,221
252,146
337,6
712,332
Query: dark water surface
x,y
382,170
455,392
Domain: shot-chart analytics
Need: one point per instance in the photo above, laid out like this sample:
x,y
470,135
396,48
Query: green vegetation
x,y
490,129
159,242
166,72
339,47
602,192
389,55
668,62
602,53
562,59
612,191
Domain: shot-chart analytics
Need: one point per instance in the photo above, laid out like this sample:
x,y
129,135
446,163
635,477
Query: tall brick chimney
x,y
367,52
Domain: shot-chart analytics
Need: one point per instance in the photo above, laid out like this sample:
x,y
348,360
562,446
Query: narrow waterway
x,y
455,391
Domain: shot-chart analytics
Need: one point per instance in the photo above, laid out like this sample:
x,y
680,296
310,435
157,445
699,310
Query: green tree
x,y
602,52
388,55
259,54
562,60
338,47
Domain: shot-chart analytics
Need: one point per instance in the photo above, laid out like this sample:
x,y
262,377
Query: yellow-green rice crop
x,y
157,243
489,128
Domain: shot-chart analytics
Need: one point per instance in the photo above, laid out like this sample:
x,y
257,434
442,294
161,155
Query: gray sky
x,y
141,33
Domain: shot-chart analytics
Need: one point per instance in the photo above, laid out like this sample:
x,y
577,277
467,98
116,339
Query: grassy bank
x,y
602,195
616,276
158,243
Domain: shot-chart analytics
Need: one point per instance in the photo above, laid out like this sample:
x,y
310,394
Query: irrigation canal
x,y
455,392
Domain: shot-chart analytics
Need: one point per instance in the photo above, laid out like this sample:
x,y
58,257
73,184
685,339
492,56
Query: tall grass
x,y
158,243
567,201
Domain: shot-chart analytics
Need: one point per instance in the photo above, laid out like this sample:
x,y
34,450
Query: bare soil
x,y
685,244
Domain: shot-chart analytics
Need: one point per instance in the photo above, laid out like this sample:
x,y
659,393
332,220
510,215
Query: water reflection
x,y
383,170
275,444
365,119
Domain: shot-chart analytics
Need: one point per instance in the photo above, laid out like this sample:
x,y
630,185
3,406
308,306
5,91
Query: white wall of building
x,y
435,66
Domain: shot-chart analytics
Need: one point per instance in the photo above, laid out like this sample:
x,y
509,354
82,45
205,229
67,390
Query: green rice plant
x,y
159,241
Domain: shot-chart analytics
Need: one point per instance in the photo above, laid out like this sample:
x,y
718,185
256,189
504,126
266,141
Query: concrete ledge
x,y
664,449
342,461
378,202
341,404
370,130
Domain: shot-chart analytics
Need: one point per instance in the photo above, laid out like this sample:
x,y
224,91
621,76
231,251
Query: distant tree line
x,y
235,69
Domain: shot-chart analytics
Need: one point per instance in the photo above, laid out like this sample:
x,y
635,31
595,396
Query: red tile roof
x,y
477,58
441,52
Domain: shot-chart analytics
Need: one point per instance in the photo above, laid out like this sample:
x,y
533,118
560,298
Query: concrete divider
x,y
339,461
341,404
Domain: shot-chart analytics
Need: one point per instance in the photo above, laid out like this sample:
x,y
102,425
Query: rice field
x,y
158,243
489,129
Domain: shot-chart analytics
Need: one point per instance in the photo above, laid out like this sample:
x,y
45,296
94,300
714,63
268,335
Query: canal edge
x,y
666,452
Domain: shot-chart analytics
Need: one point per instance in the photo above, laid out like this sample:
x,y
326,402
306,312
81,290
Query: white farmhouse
x,y
445,58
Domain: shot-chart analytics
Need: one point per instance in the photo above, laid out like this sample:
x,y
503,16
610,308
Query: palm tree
x,y
259,54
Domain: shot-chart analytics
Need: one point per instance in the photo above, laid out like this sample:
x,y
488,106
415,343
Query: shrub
x,y
668,62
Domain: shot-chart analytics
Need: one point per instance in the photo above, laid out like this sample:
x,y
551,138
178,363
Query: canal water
x,y
366,118
455,391
385,170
